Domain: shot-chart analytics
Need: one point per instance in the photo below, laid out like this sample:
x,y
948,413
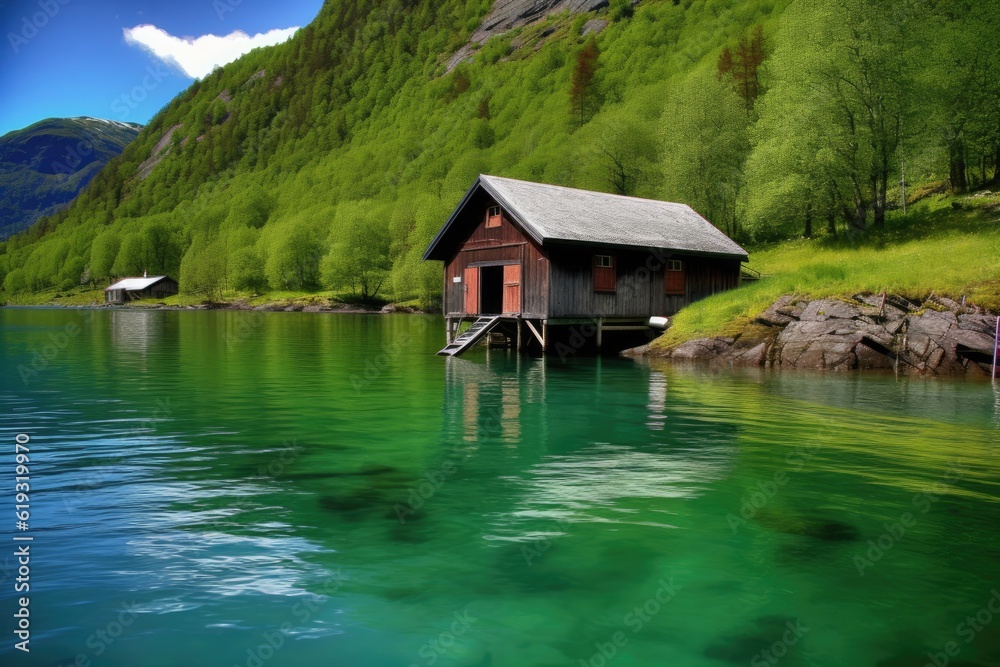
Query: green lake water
x,y
224,488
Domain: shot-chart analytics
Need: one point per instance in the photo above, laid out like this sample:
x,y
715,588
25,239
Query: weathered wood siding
x,y
640,290
502,245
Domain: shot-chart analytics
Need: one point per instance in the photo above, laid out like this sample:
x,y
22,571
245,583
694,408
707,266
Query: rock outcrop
x,y
509,14
938,336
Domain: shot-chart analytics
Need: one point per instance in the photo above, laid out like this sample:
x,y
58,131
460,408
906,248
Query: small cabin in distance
x,y
520,255
134,289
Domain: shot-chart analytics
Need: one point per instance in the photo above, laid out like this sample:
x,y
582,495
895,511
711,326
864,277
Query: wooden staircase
x,y
470,336
749,275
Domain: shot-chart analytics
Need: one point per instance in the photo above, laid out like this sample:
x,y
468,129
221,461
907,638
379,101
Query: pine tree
x,y
584,74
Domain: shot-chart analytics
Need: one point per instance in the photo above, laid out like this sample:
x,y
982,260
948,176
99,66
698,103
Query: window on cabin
x,y
494,216
673,277
605,279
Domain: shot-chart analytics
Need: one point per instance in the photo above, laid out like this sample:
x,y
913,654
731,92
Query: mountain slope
x,y
329,161
45,165
334,157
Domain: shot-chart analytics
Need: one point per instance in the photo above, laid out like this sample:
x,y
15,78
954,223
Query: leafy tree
x,y
705,141
359,255
621,10
963,81
483,110
103,252
163,252
627,152
246,268
849,60
203,268
293,262
134,256
252,209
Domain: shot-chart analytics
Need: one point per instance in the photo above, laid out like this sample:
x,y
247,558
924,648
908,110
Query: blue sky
x,y
62,58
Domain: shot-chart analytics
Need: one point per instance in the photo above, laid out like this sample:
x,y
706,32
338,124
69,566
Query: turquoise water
x,y
221,488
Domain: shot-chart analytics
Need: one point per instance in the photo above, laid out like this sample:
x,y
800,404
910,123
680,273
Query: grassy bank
x,y
85,296
945,245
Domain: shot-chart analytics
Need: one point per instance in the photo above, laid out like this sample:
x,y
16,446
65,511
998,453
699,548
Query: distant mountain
x,y
45,165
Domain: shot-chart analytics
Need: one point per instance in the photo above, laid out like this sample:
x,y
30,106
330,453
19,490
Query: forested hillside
x,y
45,165
329,162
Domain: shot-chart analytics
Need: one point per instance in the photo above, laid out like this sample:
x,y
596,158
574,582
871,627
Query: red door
x,y
512,288
472,291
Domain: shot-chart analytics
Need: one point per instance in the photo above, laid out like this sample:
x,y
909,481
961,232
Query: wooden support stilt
x,y
541,339
600,333
520,337
545,335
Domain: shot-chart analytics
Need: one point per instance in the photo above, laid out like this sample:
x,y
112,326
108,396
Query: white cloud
x,y
198,56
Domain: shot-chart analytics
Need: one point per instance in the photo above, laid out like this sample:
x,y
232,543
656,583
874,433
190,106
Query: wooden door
x,y
512,288
472,291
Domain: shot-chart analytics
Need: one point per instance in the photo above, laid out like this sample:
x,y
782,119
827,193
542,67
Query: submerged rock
x,y
832,531
743,647
738,649
816,527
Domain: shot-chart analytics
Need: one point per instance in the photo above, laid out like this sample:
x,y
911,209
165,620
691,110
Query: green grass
x,y
935,248
85,296
77,296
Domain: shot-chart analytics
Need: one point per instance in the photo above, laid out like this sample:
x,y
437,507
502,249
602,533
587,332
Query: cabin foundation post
x,y
520,337
600,332
545,335
447,331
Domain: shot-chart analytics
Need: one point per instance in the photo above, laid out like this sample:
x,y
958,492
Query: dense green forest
x,y
330,161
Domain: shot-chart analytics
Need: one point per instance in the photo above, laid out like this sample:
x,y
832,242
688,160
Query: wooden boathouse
x,y
525,258
133,289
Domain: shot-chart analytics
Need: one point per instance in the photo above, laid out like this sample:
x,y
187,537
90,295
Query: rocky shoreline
x,y
938,336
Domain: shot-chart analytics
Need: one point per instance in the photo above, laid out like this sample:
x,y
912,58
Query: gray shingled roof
x,y
554,214
132,284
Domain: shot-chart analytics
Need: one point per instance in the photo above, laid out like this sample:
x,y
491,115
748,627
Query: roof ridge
x,y
589,192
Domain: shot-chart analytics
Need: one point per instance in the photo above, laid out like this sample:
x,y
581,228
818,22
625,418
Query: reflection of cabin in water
x,y
522,258
133,289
